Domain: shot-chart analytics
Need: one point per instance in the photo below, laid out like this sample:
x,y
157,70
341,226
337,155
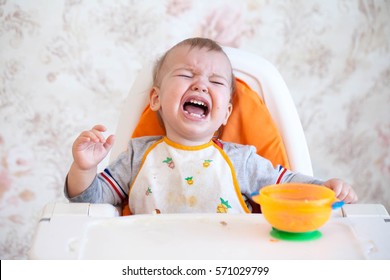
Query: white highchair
x,y
97,231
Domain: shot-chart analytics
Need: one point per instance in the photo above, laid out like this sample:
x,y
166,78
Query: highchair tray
x,y
92,231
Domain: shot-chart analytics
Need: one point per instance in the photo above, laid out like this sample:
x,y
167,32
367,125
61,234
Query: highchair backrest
x,y
264,114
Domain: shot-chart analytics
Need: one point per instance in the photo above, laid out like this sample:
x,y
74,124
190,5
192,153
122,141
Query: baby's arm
x,y
254,172
89,149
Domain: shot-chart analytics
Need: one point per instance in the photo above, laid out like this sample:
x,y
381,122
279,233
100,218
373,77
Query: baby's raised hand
x,y
90,147
343,190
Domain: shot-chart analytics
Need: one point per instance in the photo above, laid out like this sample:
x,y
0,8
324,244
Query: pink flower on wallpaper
x,y
26,195
5,182
383,133
226,26
19,160
16,22
5,177
385,165
177,7
17,219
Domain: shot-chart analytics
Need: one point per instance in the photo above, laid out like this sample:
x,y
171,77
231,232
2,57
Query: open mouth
x,y
196,107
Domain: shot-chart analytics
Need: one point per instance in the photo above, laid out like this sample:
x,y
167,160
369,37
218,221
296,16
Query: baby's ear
x,y
228,113
154,99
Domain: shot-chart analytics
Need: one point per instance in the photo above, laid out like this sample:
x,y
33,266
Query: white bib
x,y
180,179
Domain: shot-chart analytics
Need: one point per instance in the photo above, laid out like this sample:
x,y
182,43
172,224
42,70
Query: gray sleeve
x,y
112,185
97,192
254,172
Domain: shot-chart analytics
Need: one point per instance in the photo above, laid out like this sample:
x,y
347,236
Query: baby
x,y
187,170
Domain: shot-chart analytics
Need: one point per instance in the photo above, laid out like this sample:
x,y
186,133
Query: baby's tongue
x,y
193,109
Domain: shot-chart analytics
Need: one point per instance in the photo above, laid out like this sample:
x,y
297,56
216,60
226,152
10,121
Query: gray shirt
x,y
252,171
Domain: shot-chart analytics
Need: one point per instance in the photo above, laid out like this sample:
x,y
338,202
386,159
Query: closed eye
x,y
218,83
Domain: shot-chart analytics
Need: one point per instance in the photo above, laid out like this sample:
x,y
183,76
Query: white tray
x,y
204,236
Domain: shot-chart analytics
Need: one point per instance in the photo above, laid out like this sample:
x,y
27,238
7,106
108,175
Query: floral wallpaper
x,y
68,64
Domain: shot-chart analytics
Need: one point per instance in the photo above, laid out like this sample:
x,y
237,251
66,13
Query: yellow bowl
x,y
294,207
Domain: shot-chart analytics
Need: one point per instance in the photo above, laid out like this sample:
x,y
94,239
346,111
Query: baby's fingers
x,y
109,142
89,135
342,190
94,135
99,127
83,142
349,196
97,131
345,192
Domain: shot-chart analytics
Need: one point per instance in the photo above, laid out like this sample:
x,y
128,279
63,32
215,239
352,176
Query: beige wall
x,y
66,65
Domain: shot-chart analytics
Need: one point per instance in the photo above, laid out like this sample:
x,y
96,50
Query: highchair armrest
x,y
364,210
79,209
62,226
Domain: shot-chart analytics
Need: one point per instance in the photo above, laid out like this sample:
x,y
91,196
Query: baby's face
x,y
193,96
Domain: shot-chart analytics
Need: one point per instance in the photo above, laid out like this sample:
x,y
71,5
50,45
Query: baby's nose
x,y
199,87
